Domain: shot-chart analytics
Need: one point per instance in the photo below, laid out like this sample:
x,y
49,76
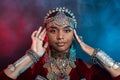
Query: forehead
x,y
56,26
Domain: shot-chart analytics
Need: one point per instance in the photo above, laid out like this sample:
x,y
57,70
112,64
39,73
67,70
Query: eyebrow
x,y
56,27
67,27
51,27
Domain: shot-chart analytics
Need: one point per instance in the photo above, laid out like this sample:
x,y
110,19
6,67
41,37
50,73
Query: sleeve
x,y
95,72
31,73
117,78
99,73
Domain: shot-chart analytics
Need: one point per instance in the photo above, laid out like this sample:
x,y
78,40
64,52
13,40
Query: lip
x,y
60,44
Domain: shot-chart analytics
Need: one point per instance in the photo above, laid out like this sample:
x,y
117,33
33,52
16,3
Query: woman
x,y
52,54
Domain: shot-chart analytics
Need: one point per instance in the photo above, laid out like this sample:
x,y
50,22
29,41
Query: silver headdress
x,y
61,16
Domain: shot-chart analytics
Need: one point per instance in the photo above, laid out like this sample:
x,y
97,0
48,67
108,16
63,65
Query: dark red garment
x,y
78,73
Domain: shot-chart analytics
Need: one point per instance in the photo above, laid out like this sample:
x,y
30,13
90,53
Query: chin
x,y
62,49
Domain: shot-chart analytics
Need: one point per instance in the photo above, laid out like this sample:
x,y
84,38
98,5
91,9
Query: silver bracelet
x,y
29,54
13,66
116,66
35,57
104,58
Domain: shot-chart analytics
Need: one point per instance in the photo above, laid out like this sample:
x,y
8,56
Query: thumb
x,y
45,45
78,38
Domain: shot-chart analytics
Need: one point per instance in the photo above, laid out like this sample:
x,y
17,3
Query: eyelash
x,y
67,31
55,31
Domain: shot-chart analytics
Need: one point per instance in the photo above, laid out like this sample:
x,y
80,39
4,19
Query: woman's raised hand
x,y
88,49
37,41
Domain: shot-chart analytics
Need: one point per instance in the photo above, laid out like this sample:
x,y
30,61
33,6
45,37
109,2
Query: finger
x,y
42,34
75,34
43,37
38,32
44,31
33,34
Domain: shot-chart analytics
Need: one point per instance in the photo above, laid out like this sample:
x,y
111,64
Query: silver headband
x,y
61,18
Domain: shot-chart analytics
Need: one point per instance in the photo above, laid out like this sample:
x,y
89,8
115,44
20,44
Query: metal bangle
x,y
29,54
93,58
116,66
33,55
13,66
104,58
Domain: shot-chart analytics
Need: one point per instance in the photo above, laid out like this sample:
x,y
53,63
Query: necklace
x,y
58,64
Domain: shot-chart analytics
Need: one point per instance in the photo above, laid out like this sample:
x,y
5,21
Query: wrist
x,y
33,55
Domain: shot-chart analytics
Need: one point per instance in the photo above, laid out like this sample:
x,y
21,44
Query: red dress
x,y
78,73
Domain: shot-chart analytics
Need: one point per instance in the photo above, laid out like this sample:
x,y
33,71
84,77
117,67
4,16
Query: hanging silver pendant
x,y
63,75
51,76
46,65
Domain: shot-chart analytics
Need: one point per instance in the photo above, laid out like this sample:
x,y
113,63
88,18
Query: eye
x,y
53,31
67,30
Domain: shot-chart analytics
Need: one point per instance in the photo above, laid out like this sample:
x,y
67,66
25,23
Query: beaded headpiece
x,y
61,16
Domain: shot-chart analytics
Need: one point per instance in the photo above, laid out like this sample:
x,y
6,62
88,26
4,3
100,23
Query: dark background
x,y
98,23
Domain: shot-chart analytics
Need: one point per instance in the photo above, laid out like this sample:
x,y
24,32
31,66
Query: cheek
x,y
69,39
69,36
51,38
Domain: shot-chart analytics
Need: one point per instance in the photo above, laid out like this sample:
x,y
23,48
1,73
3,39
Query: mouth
x,y
60,44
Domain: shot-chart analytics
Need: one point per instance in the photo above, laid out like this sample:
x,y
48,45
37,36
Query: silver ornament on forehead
x,y
61,17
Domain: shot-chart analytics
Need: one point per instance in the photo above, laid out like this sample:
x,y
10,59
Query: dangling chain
x,y
60,73
58,64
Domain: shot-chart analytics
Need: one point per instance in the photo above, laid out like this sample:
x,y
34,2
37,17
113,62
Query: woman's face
x,y
59,37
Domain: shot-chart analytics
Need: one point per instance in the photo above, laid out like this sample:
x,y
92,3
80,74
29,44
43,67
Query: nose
x,y
60,35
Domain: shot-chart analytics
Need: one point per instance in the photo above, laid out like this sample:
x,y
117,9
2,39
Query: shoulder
x,y
80,62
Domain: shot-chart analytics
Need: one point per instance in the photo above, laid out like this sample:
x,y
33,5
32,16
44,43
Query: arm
x,y
31,56
90,51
